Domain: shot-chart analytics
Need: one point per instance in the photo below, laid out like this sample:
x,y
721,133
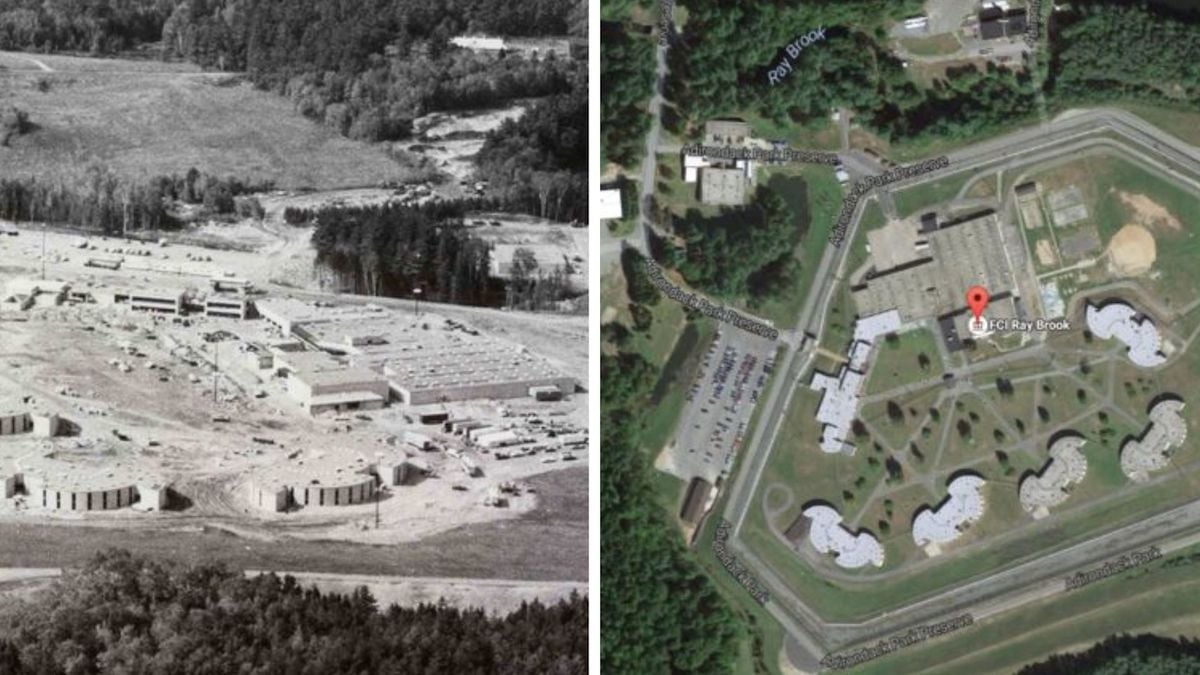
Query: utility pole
x,y
216,367
377,505
417,301
43,250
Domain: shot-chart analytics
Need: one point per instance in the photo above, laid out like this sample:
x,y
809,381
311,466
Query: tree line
x,y
1144,654
122,613
626,84
92,26
659,613
104,202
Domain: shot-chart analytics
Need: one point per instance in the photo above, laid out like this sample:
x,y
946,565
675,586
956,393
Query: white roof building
x,y
1152,452
944,524
840,403
1119,320
691,167
610,204
828,535
1066,468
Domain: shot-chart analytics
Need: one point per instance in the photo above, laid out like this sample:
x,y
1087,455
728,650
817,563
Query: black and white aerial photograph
x,y
294,336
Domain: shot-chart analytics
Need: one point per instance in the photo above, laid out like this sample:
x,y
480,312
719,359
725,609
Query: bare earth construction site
x,y
156,402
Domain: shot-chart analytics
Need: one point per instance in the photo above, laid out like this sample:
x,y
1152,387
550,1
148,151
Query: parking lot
x,y
719,404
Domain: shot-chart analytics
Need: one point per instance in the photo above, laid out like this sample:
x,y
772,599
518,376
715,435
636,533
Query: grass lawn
x,y
1135,601
1110,185
934,45
898,361
144,119
932,193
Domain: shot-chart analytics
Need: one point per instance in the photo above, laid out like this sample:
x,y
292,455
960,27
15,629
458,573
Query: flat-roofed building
x,y
728,133
840,401
1116,319
338,390
164,300
1064,470
936,526
1153,449
723,187
828,535
228,306
466,371
695,500
610,204
943,264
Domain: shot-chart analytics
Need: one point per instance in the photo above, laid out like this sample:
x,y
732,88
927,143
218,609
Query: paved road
x,y
810,635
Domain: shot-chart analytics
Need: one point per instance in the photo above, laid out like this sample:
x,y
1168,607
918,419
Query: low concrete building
x,y
338,390
1117,319
723,186
828,535
163,300
936,526
1153,449
1065,469
15,423
228,306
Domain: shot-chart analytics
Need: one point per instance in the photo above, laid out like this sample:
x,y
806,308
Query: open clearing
x,y
1132,251
146,119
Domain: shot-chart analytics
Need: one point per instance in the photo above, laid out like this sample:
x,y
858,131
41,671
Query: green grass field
x,y
143,119
899,362
1119,192
1138,600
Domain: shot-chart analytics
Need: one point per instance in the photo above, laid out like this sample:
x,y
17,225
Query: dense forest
x,y
127,614
725,253
659,613
1156,61
626,84
392,250
112,205
537,164
1125,655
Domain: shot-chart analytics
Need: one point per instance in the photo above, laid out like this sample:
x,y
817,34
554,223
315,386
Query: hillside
x,y
145,119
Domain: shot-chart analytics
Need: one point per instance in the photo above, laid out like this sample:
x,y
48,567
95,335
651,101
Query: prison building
x,y
78,495
467,371
228,306
1064,470
403,472
1153,449
271,497
15,423
1116,319
840,401
26,293
946,522
354,489
150,300
923,275
338,390
45,426
828,535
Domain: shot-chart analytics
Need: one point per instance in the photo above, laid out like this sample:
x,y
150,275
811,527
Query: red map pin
x,y
977,300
